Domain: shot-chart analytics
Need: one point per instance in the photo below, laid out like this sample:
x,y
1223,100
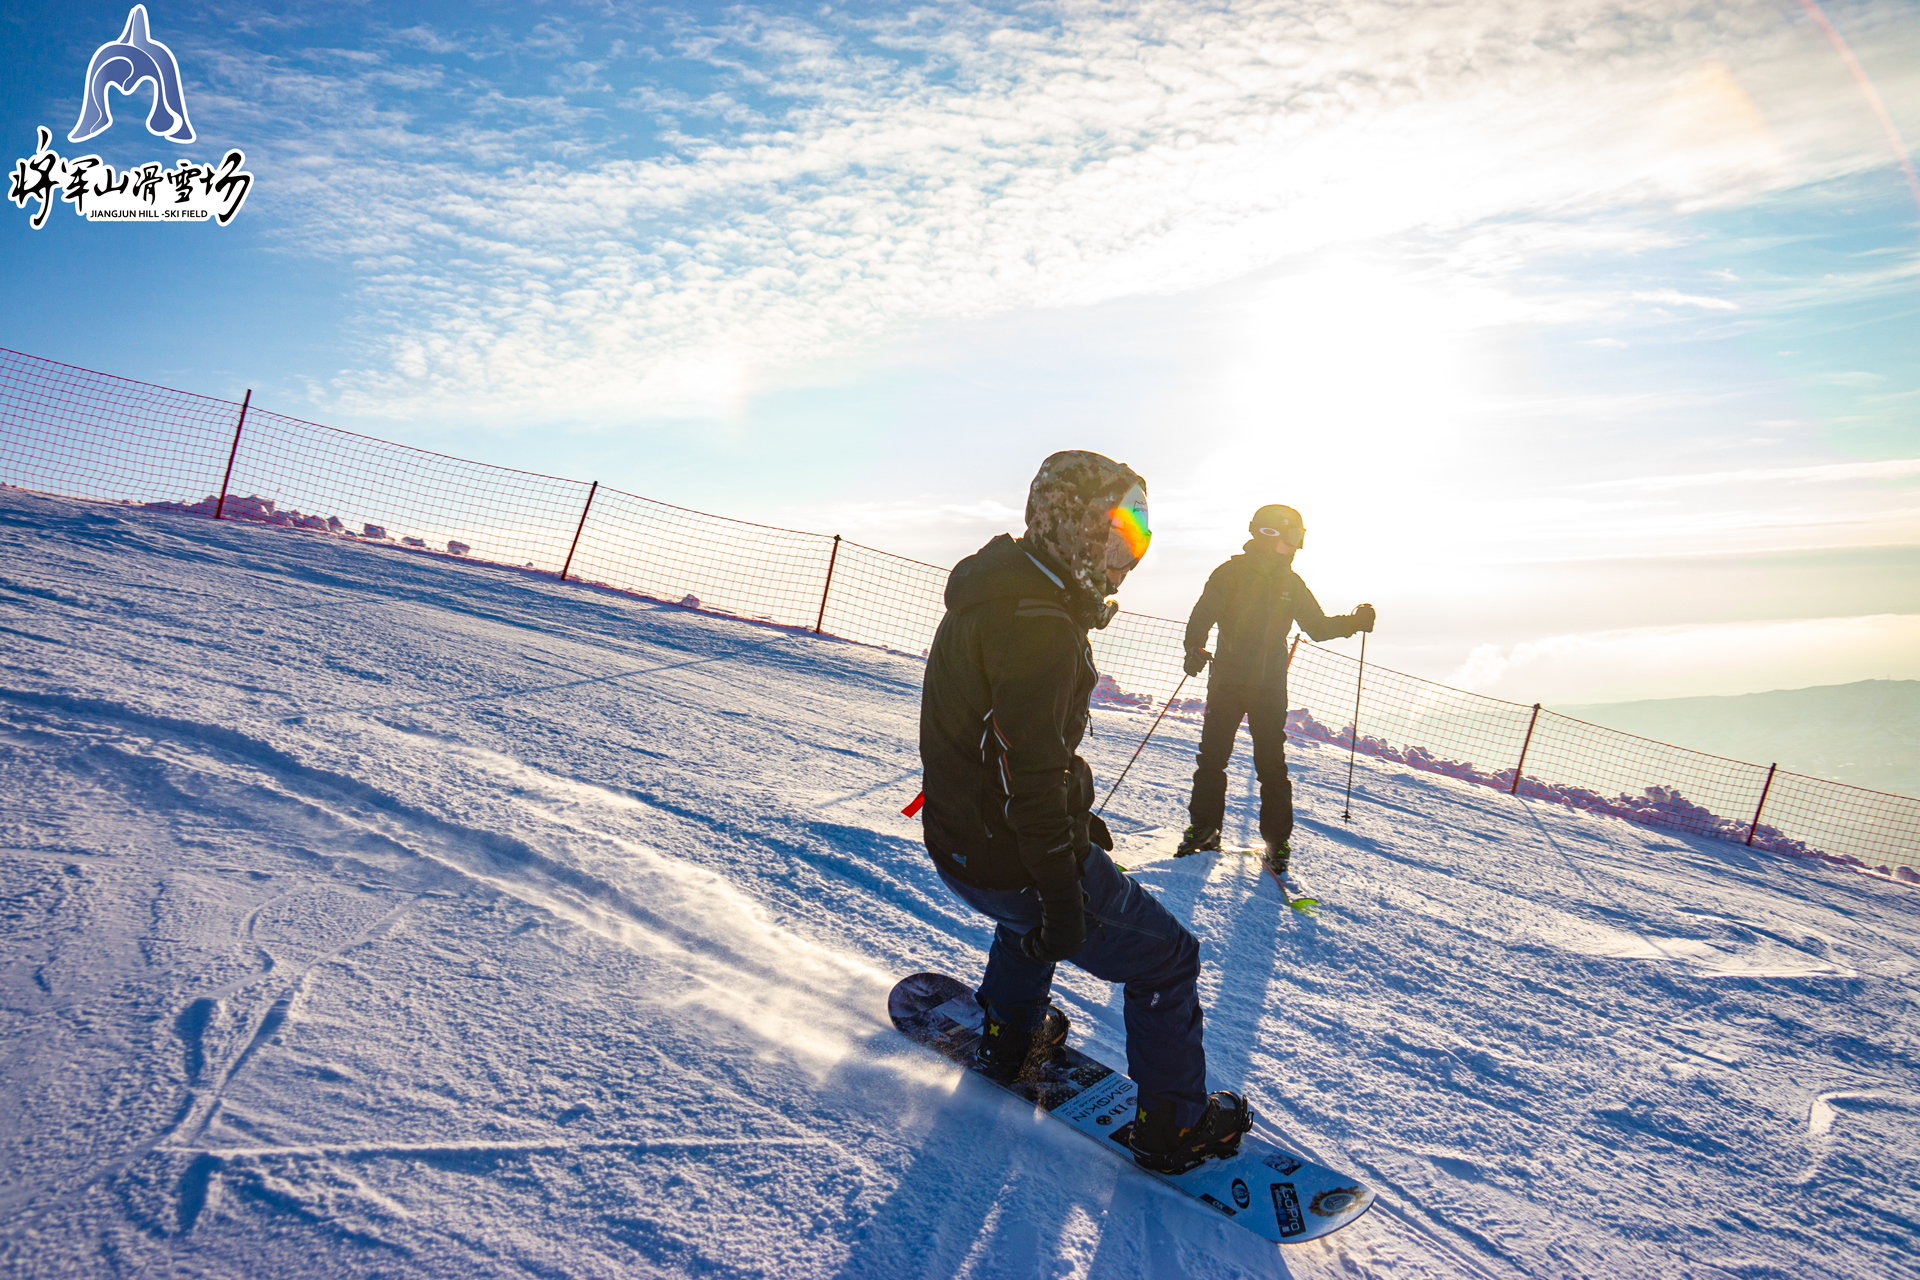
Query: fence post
x,y
1293,648
1755,825
576,530
832,560
1514,790
221,506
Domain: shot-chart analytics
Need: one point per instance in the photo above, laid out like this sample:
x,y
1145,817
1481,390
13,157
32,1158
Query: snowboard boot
x,y
1006,1056
1278,857
1197,840
1158,1146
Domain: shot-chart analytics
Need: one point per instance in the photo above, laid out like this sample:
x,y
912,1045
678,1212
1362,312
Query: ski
x,y
1299,900
1271,1192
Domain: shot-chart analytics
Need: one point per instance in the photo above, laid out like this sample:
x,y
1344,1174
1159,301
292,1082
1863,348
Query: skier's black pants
x,y
1132,939
1265,710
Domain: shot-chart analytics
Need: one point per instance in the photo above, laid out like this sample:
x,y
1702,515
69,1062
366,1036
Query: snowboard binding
x,y
1159,1146
1006,1056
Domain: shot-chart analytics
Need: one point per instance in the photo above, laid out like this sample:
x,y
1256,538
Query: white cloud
x,y
1053,157
904,517
1668,662
1674,298
1829,473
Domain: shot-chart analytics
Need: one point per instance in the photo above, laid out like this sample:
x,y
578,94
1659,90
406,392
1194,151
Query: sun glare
x,y
1343,384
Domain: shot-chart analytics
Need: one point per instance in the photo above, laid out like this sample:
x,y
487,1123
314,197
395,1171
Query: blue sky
x,y
1583,334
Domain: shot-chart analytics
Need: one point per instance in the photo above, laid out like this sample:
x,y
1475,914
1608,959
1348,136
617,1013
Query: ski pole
x,y
1143,742
1353,735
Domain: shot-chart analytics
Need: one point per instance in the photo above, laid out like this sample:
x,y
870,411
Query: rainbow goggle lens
x,y
1292,535
1130,523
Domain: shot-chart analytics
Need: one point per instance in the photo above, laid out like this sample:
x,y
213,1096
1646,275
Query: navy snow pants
x,y
1266,710
1131,939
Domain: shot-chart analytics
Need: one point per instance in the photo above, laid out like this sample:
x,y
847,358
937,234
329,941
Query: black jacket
x,y
1001,716
1256,598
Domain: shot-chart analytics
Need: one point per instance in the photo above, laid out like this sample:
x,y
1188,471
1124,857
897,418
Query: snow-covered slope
x,y
370,913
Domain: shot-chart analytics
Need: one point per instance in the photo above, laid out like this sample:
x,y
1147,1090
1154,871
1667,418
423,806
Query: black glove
x,y
1088,829
1062,931
1196,661
1363,618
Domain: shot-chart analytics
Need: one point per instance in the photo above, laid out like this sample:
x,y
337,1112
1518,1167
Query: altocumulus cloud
x,y
838,178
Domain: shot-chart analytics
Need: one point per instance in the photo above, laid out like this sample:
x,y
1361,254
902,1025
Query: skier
x,y
1256,598
1008,820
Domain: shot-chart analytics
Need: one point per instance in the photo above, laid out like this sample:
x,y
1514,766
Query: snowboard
x,y
1268,1190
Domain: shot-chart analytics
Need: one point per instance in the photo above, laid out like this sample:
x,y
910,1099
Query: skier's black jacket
x,y
1256,597
1001,716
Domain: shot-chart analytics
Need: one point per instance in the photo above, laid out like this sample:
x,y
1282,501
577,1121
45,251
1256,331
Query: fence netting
x,y
308,476
90,435
79,433
701,561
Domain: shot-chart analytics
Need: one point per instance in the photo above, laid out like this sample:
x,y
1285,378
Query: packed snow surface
x,y
369,912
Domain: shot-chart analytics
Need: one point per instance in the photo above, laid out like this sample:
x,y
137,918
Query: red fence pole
x,y
1514,790
576,530
1755,826
239,426
832,560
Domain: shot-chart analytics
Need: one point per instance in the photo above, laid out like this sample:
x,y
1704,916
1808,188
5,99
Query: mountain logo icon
x,y
124,64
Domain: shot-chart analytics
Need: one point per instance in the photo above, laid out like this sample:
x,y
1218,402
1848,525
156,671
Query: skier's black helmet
x,y
1276,521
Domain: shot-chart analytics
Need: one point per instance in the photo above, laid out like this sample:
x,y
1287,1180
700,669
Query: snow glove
x,y
1063,915
1062,931
1362,620
1197,660
1085,826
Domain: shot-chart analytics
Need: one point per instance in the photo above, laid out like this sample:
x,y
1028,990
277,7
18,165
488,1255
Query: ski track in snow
x,y
374,913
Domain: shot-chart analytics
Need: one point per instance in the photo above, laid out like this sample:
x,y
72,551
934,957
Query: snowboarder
x,y
1256,598
1008,814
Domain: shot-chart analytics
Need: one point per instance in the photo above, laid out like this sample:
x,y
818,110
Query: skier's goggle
x,y
1130,536
1292,536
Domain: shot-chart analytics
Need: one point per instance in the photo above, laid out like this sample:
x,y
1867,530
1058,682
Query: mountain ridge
x,y
1865,733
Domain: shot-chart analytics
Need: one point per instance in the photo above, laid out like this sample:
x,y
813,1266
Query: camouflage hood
x,y
1070,522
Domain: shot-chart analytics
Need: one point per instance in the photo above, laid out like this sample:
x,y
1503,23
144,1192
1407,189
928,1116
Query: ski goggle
x,y
1291,535
1131,534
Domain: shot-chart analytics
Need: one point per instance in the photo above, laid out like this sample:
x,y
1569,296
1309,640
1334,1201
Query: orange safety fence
x,y
75,432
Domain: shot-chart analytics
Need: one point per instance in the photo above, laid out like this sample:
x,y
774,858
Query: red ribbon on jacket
x,y
913,805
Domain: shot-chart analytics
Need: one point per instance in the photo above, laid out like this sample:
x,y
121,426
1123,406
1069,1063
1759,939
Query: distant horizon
x,y
1847,733
1727,697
